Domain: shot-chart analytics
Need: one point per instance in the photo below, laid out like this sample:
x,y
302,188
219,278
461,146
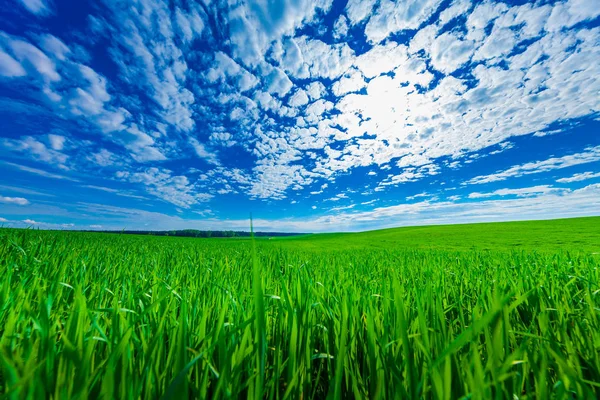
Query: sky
x,y
314,116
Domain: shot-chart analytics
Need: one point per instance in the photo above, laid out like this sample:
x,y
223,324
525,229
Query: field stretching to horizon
x,y
481,311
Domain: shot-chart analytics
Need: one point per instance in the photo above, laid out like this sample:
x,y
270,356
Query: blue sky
x,y
326,115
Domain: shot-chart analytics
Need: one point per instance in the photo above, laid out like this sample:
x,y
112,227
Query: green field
x,y
503,311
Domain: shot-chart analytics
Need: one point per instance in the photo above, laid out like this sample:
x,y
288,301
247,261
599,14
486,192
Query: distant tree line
x,y
203,234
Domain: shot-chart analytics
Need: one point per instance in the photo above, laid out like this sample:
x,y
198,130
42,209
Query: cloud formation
x,y
283,101
14,200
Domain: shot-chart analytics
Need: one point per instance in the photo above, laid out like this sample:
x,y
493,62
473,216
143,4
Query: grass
x,y
581,234
430,312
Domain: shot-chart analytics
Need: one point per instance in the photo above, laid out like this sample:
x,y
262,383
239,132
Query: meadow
x,y
502,311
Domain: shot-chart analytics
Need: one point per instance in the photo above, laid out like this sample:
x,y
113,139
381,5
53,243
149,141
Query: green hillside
x,y
581,234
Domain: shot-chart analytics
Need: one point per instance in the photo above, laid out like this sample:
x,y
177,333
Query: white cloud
x,y
190,24
381,58
54,47
391,17
458,8
567,14
254,26
305,57
278,82
149,59
34,59
81,92
91,100
118,192
37,150
226,68
24,190
222,138
449,52
498,44
201,151
591,154
104,158
340,27
316,109
39,172
423,39
305,109
521,192
359,10
9,67
299,98
175,189
315,90
266,101
409,175
140,144
582,202
57,142
14,200
484,14
579,177
563,204
352,81
30,222
37,7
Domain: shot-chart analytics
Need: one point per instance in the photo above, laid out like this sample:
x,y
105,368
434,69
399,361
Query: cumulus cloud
x,y
38,150
359,10
57,142
9,67
391,17
175,189
278,82
33,59
569,13
37,7
104,158
315,90
590,155
449,52
521,192
340,28
560,204
255,26
304,57
352,81
579,177
298,102
226,68
54,47
201,151
14,200
299,98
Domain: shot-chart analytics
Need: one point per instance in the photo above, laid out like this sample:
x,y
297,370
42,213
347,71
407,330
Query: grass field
x,y
466,311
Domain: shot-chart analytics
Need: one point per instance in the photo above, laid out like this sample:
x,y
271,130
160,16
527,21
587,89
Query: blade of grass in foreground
x,y
259,312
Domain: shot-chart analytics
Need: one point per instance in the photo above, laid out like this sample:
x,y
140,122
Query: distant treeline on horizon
x,y
199,234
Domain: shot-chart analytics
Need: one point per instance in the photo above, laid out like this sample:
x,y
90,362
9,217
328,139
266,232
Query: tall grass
x,y
115,316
